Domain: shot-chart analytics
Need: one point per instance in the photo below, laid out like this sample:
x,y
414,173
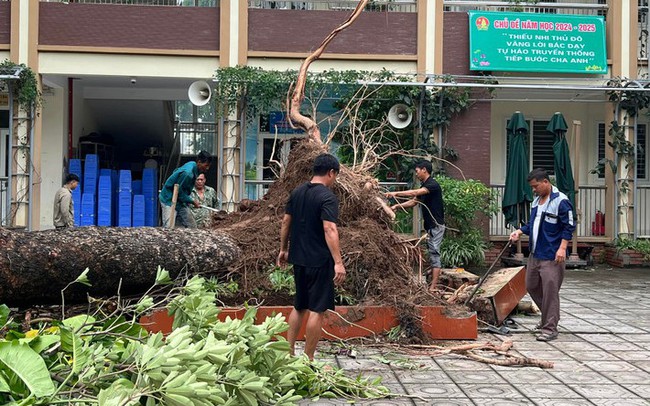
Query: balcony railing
x,y
643,211
590,200
404,6
584,7
178,3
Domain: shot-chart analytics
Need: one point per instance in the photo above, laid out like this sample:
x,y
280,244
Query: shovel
x,y
209,208
484,277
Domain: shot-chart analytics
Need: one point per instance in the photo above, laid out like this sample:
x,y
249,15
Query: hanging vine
x,y
629,101
25,88
261,91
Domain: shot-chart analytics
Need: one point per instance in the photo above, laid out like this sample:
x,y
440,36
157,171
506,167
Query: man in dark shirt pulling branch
x,y
429,196
310,223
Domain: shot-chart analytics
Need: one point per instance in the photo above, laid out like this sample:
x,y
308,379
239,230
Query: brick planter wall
x,y
624,258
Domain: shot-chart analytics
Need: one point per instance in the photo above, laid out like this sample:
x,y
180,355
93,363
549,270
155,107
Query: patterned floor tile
x,y
502,402
531,345
617,346
582,377
640,390
601,391
432,390
632,355
547,391
621,402
597,338
528,376
561,402
547,354
445,402
463,377
644,365
362,364
627,377
384,402
595,355
457,364
490,391
423,376
568,347
612,365
574,366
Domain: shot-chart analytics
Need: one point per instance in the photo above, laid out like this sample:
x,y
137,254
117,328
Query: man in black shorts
x,y
310,223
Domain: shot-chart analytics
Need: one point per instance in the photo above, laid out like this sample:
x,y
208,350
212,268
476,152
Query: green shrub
x,y
640,246
464,200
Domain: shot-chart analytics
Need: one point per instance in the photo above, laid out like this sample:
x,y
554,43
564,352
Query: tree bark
x,y
35,266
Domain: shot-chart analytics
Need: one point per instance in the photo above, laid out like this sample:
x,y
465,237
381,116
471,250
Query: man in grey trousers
x,y
550,228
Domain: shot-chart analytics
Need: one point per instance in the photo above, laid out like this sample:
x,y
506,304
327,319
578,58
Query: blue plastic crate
x,y
124,203
124,184
150,212
91,173
75,167
105,201
138,211
87,210
76,203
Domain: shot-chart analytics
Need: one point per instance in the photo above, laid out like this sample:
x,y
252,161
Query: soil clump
x,y
382,269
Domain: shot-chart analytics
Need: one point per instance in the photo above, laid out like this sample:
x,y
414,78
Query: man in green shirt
x,y
185,177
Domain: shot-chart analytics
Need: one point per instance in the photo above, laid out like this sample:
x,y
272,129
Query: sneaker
x,y
546,337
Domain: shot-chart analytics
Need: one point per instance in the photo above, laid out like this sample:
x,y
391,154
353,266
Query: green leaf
x,y
117,393
120,325
83,278
4,386
80,323
4,314
28,366
43,342
72,343
162,277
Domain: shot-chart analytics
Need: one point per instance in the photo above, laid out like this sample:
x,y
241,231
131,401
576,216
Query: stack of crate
x,y
150,192
88,197
108,197
124,199
75,167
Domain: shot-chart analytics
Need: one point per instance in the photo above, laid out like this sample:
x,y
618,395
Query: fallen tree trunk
x,y
35,266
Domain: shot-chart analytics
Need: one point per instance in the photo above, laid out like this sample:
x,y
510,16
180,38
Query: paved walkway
x,y
602,356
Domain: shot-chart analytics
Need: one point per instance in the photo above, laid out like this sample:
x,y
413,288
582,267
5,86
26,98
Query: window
x,y
197,127
641,145
542,147
540,150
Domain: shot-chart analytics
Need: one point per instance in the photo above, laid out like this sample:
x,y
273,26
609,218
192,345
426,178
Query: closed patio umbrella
x,y
517,195
561,158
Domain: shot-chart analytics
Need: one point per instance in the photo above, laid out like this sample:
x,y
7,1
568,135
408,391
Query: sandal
x,y
546,337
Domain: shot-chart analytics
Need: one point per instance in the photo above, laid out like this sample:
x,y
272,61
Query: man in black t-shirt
x,y
310,223
429,196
